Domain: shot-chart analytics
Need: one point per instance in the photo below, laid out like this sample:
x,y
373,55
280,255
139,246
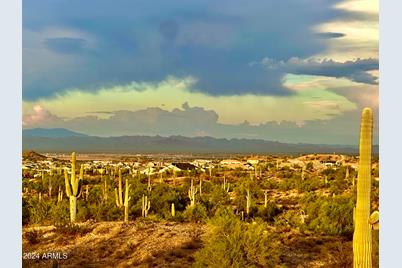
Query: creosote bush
x,y
196,213
329,215
229,242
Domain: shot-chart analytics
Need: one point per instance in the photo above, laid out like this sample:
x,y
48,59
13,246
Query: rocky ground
x,y
114,244
159,244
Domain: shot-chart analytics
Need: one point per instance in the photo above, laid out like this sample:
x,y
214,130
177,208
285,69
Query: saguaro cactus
x,y
145,205
73,186
225,184
200,187
173,210
248,202
86,192
105,189
362,233
265,198
60,195
120,201
49,186
191,193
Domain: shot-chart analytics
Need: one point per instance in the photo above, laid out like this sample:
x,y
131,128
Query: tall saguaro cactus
x,y
191,193
120,201
145,205
60,195
362,233
248,202
225,185
73,186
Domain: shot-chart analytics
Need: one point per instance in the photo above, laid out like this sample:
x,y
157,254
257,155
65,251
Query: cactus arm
x,y
374,220
67,183
117,198
126,198
173,210
73,159
120,189
79,188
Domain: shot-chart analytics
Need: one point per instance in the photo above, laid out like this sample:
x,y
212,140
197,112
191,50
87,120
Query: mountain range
x,y
63,140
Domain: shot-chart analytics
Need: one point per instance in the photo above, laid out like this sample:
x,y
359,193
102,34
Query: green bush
x,y
241,192
330,215
60,213
229,242
162,196
33,237
196,213
217,198
25,212
39,212
268,213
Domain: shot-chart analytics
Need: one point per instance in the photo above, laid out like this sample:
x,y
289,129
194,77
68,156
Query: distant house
x,y
328,163
202,163
148,171
230,162
253,161
233,164
184,166
169,168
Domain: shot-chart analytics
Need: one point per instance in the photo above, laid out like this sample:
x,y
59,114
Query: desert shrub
x,y
241,192
310,184
25,212
39,212
217,198
229,242
162,196
289,183
196,213
96,193
74,229
289,218
330,215
60,213
107,211
340,254
32,236
310,166
207,187
83,210
269,184
338,186
268,213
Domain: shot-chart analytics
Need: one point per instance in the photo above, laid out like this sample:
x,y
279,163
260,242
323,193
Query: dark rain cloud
x,y
213,41
330,35
355,70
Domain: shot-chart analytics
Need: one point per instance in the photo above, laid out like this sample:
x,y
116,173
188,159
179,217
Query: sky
x,y
295,71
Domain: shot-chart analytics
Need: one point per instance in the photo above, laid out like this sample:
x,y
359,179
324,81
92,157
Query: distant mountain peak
x,y
51,133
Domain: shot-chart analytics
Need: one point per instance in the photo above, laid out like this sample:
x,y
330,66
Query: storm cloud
x,y
150,40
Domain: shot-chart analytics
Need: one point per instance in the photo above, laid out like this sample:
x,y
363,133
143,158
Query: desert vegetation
x,y
277,211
